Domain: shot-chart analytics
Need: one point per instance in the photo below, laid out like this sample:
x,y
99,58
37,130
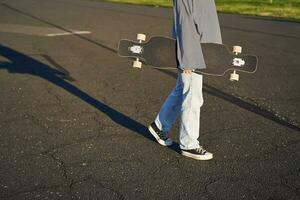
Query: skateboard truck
x,y
237,62
137,49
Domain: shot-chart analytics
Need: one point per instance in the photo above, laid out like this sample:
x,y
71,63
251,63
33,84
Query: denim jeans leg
x,y
171,108
192,100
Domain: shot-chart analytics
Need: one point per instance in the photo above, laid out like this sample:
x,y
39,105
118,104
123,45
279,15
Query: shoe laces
x,y
163,136
201,150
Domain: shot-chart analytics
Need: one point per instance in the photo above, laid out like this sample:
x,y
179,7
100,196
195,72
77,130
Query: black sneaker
x,y
198,153
159,135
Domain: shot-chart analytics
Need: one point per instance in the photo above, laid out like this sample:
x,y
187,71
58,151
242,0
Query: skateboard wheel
x,y
141,37
237,49
137,64
234,76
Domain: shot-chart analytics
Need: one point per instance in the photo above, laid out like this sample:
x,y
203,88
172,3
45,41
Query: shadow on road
x,y
22,64
249,106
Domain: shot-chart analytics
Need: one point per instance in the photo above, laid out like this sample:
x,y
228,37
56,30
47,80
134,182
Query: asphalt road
x,y
73,114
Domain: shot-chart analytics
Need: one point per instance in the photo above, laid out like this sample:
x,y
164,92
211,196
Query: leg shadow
x,y
249,106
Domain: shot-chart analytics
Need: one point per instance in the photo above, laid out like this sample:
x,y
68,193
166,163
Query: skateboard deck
x,y
160,52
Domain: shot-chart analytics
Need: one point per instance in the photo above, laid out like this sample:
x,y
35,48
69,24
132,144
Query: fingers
x,y
187,71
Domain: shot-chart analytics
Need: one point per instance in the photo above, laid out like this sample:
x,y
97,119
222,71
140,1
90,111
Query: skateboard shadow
x,y
23,64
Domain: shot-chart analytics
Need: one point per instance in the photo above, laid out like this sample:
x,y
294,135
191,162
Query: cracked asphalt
x,y
73,115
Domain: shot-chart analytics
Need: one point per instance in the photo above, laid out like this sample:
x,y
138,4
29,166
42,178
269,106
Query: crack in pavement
x,y
242,102
63,168
284,146
261,156
71,182
209,183
65,145
110,188
158,168
283,182
35,189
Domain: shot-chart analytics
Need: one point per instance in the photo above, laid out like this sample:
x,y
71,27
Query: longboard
x,y
160,52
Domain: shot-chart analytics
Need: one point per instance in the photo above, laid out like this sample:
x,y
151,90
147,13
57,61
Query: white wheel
x,y
234,76
237,49
141,37
137,64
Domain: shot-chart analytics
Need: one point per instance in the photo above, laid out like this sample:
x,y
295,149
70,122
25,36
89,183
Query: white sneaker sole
x,y
197,157
160,141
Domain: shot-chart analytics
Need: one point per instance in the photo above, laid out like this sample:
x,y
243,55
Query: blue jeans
x,y
185,99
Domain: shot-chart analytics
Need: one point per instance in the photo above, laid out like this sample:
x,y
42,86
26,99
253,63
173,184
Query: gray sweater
x,y
195,21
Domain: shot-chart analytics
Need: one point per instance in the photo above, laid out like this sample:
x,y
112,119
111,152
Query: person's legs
x,y
192,100
171,108
186,98
167,115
